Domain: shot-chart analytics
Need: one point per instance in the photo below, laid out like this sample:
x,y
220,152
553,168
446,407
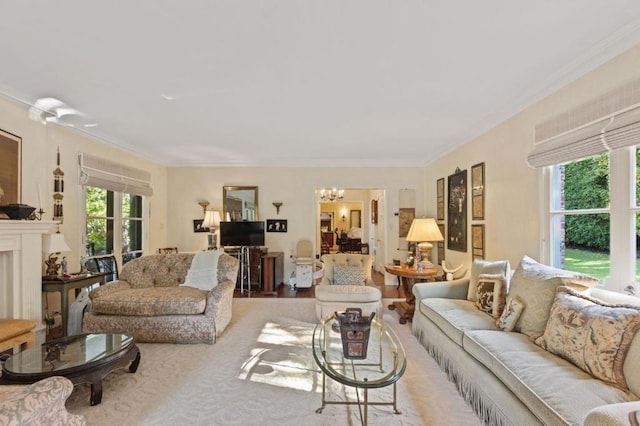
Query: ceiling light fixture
x,y
52,110
331,194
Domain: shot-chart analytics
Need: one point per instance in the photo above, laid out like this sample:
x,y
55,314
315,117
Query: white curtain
x,y
106,174
609,122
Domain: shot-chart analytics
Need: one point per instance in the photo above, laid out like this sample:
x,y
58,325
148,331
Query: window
x,y
636,209
111,214
580,218
594,217
608,123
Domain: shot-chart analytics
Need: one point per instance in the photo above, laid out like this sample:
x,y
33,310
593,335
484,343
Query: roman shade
x,y
106,174
609,122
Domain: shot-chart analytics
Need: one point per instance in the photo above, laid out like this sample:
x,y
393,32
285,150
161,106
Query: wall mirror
x,y
355,218
240,203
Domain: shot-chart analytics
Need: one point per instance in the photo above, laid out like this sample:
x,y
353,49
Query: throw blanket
x,y
203,272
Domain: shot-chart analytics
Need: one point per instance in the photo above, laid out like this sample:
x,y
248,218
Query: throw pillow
x,y
348,275
512,310
485,267
491,294
535,284
593,335
203,272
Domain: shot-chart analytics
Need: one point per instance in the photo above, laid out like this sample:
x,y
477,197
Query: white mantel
x,y
21,268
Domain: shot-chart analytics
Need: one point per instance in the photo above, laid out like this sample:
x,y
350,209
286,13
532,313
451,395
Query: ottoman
x,y
332,298
16,332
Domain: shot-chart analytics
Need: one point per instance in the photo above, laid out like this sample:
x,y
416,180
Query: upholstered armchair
x,y
41,403
347,283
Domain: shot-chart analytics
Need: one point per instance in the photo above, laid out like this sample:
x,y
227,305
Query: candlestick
x,y
39,197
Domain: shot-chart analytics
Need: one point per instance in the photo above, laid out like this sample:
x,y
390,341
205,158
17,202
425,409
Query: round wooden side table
x,y
409,275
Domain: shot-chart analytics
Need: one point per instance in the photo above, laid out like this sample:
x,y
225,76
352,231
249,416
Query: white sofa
x,y
504,376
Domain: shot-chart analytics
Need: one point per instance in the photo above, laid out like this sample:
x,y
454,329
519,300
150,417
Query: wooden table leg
x,y
405,308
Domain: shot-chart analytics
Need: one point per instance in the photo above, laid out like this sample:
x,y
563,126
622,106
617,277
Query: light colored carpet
x,y
261,371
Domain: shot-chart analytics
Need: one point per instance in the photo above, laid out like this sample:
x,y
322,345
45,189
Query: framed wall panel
x,y
457,211
10,168
440,199
477,191
477,232
441,244
405,219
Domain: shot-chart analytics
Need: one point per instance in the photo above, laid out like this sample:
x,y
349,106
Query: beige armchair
x,y
347,283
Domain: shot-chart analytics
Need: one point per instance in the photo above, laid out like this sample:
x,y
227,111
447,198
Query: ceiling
x,y
301,82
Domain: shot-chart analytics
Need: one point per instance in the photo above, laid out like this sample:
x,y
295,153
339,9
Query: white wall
x,y
512,189
39,145
295,187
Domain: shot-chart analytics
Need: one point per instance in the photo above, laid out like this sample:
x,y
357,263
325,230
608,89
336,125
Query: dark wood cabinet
x,y
249,272
327,238
264,271
272,271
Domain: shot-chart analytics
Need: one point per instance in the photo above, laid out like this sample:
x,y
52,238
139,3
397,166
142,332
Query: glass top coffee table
x,y
85,358
384,364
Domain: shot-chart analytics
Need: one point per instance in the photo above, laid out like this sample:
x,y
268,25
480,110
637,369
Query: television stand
x,y
249,272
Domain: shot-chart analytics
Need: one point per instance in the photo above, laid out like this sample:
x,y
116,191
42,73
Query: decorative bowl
x,y
17,211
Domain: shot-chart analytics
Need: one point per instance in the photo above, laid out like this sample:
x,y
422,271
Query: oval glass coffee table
x,y
85,358
384,364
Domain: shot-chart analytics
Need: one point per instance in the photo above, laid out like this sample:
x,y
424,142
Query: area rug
x,y
261,371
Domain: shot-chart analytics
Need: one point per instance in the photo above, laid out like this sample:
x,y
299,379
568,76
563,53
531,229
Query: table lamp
x,y
211,221
422,231
53,244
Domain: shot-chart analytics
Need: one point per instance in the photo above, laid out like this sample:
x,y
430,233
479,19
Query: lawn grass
x,y
592,263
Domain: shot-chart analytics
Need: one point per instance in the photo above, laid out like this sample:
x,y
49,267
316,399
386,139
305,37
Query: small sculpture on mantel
x,y
58,189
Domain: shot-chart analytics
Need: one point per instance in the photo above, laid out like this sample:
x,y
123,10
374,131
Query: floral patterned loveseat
x,y
149,303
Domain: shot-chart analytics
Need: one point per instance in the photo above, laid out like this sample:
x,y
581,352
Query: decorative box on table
x,y
354,331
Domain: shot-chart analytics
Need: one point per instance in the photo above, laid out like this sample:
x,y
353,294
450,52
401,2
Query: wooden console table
x,y
272,271
63,285
409,275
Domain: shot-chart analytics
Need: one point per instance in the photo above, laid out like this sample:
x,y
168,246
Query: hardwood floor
x,y
388,291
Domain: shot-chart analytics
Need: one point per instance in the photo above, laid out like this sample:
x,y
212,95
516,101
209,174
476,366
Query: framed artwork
x,y
406,218
197,226
457,211
477,232
440,199
477,191
374,211
276,225
10,168
441,244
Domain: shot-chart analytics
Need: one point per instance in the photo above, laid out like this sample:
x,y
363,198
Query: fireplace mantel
x,y
21,268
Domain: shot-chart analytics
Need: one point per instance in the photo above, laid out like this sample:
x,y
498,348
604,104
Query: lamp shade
x,y
211,219
424,229
54,243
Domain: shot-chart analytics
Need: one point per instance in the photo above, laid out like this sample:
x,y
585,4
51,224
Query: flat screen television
x,y
241,234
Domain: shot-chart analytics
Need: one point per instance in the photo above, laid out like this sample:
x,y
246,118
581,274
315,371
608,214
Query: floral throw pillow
x,y
491,294
593,335
512,311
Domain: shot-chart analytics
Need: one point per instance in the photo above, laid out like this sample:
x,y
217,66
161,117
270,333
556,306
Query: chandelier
x,y
331,194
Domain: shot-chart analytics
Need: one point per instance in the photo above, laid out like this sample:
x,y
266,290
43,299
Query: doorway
x,y
350,217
